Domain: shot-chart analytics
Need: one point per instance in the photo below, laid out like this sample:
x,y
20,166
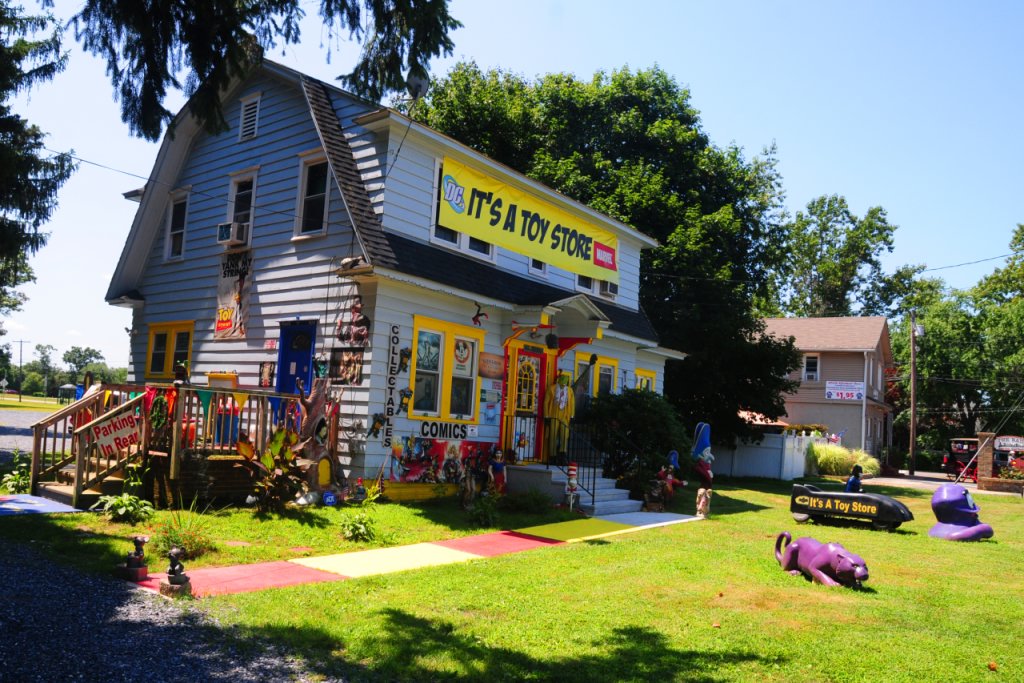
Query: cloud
x,y
73,333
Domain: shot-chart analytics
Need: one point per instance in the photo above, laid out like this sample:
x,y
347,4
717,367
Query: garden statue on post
x,y
177,583
134,568
702,459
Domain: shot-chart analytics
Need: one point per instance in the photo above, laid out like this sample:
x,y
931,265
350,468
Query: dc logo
x,y
453,194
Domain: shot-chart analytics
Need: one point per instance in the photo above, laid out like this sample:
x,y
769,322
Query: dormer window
x,y
249,119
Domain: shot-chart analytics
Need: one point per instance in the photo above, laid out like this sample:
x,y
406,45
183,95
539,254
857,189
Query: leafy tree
x,y
101,372
29,177
835,265
630,145
77,358
148,45
33,383
44,354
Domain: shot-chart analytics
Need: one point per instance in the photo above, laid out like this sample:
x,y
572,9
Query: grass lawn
x,y
702,601
11,402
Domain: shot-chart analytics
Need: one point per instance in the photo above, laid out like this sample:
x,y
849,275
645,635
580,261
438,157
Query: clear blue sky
x,y
912,106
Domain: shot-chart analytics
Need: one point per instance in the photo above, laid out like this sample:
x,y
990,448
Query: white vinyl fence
x,y
776,456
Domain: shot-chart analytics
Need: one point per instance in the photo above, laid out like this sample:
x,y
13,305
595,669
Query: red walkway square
x,y
497,543
245,578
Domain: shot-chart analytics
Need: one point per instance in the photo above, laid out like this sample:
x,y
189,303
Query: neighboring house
x,y
439,292
842,377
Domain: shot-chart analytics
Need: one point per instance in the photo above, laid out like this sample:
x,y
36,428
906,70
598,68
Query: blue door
x,y
295,355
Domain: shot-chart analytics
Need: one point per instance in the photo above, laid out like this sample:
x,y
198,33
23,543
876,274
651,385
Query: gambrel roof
x,y
381,249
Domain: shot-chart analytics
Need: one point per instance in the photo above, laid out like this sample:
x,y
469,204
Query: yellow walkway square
x,y
386,560
577,530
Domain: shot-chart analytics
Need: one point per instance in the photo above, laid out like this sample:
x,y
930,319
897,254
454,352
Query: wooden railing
x,y
53,438
201,422
98,457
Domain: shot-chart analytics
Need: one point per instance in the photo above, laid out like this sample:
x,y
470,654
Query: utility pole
x,y
21,373
913,392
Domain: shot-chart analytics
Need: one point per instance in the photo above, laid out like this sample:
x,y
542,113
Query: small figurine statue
x,y
496,472
702,459
176,571
137,558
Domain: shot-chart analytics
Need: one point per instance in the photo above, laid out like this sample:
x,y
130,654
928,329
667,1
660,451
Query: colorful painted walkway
x,y
254,577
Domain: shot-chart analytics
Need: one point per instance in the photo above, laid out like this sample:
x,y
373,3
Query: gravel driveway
x,y
59,624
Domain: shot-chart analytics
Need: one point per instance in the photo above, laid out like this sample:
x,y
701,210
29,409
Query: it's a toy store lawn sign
x,y
811,503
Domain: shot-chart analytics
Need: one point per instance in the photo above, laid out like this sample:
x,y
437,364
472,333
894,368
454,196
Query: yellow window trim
x,y
171,329
449,331
602,361
649,375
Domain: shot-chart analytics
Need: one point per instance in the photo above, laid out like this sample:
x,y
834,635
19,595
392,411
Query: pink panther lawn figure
x,y
826,563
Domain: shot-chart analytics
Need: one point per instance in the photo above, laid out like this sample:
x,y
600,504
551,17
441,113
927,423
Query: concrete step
x,y
612,507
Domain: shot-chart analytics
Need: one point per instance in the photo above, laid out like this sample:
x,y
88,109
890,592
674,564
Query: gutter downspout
x,y
864,407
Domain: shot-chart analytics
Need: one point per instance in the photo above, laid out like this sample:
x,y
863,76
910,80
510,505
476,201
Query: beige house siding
x,y
848,350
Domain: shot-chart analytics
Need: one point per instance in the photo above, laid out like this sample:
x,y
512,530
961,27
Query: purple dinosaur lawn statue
x,y
826,563
958,515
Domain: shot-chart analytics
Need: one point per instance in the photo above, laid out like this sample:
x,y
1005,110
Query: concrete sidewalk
x,y
253,577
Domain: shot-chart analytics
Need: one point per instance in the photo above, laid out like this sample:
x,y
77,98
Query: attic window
x,y
249,117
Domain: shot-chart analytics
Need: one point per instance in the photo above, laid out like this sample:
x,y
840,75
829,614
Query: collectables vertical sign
x,y
233,286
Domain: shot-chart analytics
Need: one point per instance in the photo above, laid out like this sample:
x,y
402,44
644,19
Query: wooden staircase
x,y
62,490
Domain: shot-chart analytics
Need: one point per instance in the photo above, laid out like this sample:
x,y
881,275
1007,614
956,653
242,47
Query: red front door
x,y
525,390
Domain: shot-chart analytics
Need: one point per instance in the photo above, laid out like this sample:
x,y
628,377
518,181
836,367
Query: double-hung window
x,y
599,380
314,197
169,344
175,246
645,379
241,202
444,374
812,369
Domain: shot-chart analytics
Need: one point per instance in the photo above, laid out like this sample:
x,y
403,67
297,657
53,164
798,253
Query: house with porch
x,y
842,377
431,295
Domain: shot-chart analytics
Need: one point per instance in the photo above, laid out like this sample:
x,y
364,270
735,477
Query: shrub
x,y
124,507
19,479
484,511
277,477
636,430
533,501
185,529
835,460
127,506
358,525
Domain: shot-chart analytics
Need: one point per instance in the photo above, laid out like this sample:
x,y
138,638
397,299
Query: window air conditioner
x,y
232,234
608,288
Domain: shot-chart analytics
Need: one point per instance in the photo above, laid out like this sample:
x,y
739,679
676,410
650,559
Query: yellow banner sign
x,y
495,212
